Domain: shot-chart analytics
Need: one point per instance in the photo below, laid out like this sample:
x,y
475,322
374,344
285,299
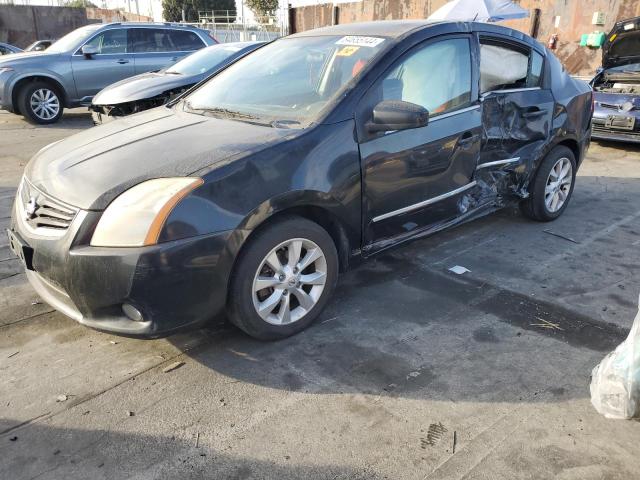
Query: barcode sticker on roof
x,y
360,41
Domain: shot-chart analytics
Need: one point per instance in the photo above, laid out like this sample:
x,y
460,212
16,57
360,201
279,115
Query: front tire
x,y
283,279
40,103
552,187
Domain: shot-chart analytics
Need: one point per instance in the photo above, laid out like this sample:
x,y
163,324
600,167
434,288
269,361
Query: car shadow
x,y
57,452
626,146
537,303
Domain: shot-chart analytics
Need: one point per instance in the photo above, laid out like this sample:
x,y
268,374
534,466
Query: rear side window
x,y
504,67
436,76
185,41
110,42
153,40
535,72
4,51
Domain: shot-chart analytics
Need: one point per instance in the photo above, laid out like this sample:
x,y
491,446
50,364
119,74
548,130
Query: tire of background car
x,y
283,279
40,103
551,189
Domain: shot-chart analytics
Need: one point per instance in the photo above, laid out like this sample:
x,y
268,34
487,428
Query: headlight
x,y
136,217
6,69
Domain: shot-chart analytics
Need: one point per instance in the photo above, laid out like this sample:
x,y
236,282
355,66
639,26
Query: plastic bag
x,y
615,382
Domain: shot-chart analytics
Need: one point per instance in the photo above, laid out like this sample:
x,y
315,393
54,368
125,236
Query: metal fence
x,y
227,26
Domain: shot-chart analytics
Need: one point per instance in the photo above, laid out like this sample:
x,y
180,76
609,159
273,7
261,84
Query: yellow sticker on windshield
x,y
347,51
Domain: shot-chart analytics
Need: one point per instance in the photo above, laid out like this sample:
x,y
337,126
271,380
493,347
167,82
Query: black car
x,y
617,85
249,194
153,89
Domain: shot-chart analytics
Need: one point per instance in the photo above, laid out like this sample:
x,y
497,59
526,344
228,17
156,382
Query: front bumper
x,y
174,284
603,129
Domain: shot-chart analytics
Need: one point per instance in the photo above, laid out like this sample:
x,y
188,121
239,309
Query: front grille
x,y
601,129
610,106
616,106
40,210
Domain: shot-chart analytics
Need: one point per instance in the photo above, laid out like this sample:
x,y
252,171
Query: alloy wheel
x,y
558,185
44,104
289,281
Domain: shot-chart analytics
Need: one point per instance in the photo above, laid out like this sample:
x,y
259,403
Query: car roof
x,y
396,29
382,28
150,25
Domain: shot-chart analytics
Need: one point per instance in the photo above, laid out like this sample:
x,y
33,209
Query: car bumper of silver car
x,y
616,127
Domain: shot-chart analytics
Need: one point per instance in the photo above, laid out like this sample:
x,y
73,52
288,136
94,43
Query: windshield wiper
x,y
284,123
221,111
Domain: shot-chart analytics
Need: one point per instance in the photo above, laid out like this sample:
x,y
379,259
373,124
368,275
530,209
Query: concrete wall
x,y
575,19
105,15
20,25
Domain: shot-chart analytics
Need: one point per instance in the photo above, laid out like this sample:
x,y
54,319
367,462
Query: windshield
x,y
625,45
73,40
288,81
203,60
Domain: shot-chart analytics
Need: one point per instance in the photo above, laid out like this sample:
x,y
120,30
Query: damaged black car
x,y
617,85
251,193
153,89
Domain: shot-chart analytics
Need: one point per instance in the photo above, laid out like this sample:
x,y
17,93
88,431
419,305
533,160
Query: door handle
x,y
533,113
122,61
467,138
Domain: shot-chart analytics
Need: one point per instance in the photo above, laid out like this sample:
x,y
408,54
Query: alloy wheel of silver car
x,y
289,281
558,185
45,104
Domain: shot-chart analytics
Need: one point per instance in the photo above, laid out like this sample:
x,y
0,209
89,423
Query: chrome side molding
x,y
424,203
498,162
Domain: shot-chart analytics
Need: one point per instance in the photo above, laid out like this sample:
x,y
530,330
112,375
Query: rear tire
x,y
40,103
551,189
283,279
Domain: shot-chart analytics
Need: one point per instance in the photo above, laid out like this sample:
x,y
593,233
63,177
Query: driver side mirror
x,y
390,115
89,50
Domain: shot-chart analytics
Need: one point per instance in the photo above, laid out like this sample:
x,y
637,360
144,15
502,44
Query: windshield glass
x,y
203,60
73,40
626,45
289,81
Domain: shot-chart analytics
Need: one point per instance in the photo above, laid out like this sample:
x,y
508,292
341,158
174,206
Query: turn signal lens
x,y
136,217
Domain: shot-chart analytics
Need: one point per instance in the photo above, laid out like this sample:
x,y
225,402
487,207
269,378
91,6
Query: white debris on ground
x,y
459,270
615,382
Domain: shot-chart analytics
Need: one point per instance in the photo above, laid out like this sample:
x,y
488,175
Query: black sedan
x,y
153,89
249,194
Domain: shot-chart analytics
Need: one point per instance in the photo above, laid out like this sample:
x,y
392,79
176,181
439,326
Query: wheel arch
x,y
317,207
22,82
572,145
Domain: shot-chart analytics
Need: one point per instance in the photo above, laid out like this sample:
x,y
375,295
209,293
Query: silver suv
x,y
70,72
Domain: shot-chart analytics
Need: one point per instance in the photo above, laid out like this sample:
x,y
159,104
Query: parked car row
x,y
39,85
152,89
249,193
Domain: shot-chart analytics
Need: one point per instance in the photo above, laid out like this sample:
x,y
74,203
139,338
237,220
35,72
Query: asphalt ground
x,y
411,372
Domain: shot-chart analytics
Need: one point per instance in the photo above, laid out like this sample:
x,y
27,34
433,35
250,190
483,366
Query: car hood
x,y
146,85
25,57
89,169
622,46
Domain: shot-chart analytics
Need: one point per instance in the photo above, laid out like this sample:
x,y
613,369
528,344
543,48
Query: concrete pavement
x,y
407,357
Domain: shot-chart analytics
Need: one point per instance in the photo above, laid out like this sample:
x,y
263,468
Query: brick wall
x,y
575,19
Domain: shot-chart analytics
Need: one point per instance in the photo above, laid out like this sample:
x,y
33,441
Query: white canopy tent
x,y
479,11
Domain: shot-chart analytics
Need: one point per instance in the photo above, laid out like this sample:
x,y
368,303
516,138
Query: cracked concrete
x,y
406,354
